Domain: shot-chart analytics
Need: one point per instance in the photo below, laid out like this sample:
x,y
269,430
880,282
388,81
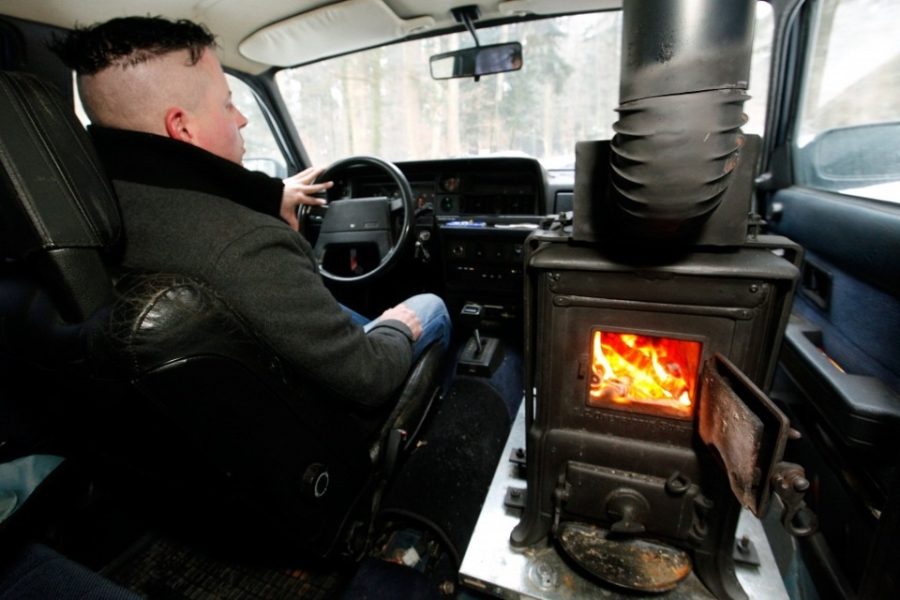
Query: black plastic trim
x,y
862,411
860,236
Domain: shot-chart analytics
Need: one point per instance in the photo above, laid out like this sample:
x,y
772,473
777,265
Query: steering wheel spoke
x,y
397,204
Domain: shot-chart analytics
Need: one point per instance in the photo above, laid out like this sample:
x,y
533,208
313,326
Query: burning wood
x,y
644,373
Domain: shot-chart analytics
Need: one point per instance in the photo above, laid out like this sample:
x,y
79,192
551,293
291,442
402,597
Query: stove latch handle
x,y
789,483
627,509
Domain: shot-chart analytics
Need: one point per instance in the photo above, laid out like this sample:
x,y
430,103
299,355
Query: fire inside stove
x,y
645,374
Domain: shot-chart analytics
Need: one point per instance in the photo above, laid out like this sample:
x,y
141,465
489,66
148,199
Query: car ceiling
x,y
254,36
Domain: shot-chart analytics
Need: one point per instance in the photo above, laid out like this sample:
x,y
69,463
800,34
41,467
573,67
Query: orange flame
x,y
643,373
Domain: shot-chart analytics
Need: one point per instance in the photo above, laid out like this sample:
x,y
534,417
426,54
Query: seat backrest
x,y
174,377
58,211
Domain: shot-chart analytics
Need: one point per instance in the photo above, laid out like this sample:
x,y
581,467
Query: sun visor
x,y
328,31
551,7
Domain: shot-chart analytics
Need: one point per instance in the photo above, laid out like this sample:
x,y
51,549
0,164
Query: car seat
x,y
173,379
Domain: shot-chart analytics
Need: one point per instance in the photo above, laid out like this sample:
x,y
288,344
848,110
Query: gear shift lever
x,y
470,317
480,356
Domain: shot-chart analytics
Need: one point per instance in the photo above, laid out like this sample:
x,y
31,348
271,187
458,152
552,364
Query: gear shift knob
x,y
470,315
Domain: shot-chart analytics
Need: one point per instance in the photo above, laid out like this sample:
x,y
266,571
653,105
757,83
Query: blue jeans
x,y
433,315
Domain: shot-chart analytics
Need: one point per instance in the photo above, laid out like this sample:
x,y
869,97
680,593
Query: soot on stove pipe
x,y
684,75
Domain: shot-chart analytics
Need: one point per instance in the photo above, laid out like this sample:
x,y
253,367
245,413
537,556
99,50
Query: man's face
x,y
217,122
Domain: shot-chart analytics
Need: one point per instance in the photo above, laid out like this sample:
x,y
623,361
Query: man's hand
x,y
299,189
406,316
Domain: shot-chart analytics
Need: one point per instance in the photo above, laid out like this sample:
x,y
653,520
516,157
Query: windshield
x,y
383,102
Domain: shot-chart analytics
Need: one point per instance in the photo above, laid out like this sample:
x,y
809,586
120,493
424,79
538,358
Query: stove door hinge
x,y
789,483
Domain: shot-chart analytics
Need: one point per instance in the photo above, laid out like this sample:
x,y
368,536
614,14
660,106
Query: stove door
x,y
745,429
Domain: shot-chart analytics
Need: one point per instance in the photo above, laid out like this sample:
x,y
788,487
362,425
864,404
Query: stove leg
x,y
715,567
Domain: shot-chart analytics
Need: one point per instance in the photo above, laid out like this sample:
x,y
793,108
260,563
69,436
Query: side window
x,y
848,135
261,149
79,108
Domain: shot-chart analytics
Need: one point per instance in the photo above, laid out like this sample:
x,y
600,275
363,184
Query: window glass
x,y
79,108
261,152
384,102
848,134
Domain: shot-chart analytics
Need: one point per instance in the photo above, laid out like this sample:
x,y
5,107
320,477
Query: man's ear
x,y
177,126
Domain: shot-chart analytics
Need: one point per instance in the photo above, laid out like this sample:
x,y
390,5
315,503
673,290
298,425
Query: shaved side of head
x,y
156,76
131,68
138,96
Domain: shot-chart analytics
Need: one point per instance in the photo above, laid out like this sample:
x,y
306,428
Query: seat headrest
x,y
58,211
50,169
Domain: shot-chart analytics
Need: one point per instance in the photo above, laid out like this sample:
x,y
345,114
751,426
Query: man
x,y
170,138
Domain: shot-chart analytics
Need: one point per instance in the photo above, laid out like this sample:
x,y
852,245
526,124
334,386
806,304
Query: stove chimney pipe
x,y
685,71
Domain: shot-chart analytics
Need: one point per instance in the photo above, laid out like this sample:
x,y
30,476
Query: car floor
x,y
141,541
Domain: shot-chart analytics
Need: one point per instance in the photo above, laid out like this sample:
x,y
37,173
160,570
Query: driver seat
x,y
173,379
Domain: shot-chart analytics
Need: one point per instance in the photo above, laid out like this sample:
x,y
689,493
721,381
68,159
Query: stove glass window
x,y
644,374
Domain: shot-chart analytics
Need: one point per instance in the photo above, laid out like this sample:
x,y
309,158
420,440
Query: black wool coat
x,y
187,211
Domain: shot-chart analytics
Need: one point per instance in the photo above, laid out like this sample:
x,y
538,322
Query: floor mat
x,y
161,568
440,487
443,483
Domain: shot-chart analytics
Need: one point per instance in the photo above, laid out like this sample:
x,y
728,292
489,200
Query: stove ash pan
x,y
672,465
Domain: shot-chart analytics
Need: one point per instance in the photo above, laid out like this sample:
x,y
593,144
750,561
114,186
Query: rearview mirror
x,y
477,61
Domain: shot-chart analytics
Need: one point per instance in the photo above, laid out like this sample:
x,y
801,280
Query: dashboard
x,y
472,218
465,187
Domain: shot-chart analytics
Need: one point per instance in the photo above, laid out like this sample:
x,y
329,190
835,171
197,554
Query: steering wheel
x,y
364,222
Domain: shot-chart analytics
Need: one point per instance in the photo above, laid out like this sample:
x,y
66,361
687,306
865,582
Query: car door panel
x,y
840,374
850,286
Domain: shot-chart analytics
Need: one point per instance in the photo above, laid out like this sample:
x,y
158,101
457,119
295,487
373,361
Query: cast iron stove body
x,y
653,319
642,469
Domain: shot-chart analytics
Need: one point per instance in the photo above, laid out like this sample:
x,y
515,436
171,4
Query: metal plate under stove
x,y
492,566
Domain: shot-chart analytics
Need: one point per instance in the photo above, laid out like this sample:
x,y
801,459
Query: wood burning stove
x,y
603,449
654,318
